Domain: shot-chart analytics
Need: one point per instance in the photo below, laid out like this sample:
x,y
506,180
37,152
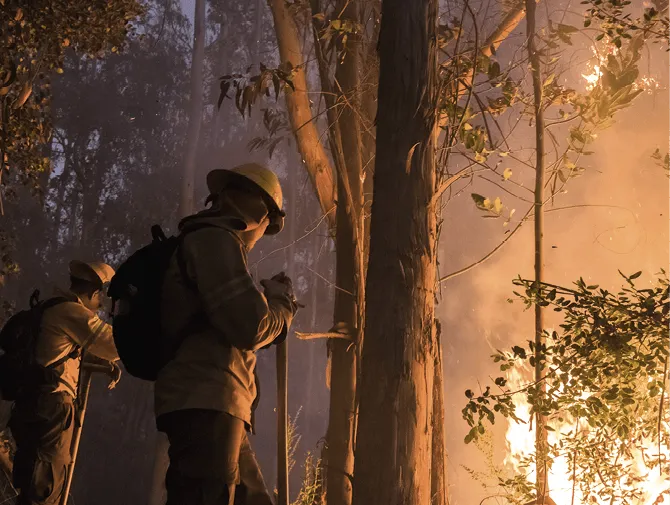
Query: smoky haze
x,y
619,222
126,118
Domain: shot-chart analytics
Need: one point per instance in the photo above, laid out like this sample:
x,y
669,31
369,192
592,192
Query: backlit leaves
x,y
250,87
35,37
606,371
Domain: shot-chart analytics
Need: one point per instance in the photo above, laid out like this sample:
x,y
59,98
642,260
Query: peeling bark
x,y
394,446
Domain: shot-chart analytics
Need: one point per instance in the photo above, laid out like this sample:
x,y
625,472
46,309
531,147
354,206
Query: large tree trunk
x,y
195,117
394,445
542,483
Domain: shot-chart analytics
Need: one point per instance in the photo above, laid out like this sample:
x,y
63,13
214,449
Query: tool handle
x,y
76,436
282,423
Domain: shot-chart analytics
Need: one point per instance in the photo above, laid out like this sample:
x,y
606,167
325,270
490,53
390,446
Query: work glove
x,y
281,287
114,375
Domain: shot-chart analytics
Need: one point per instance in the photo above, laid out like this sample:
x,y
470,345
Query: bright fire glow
x,y
592,78
594,72
594,66
520,439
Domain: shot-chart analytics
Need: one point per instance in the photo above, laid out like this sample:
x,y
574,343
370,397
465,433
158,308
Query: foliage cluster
x,y
606,377
36,37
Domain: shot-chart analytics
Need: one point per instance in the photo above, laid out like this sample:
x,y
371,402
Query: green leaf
x,y
567,28
478,199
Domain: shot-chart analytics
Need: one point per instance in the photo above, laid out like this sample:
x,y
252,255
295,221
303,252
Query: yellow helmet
x,y
94,271
261,178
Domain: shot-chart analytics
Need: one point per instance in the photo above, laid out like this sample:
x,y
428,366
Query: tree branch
x,y
314,155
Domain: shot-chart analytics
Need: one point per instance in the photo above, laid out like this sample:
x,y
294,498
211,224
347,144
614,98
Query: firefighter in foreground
x,y
206,394
43,417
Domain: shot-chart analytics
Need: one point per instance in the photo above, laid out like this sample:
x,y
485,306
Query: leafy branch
x,y
606,377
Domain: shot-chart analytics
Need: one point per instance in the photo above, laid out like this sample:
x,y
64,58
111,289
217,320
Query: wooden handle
x,y
282,423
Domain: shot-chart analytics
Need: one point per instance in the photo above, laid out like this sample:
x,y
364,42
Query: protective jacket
x,y
67,327
212,306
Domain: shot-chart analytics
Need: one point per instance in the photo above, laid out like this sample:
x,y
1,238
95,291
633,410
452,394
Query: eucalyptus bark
x,y
195,117
541,442
394,442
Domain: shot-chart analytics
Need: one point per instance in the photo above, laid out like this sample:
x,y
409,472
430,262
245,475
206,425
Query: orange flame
x,y
520,441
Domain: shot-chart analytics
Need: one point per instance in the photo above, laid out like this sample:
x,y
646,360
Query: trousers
x,y
211,460
42,426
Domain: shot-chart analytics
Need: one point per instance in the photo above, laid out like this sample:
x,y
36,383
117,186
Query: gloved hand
x,y
281,287
114,375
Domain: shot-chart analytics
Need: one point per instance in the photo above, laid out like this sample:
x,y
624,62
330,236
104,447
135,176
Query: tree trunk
x,y
307,136
394,443
195,118
251,124
341,417
542,484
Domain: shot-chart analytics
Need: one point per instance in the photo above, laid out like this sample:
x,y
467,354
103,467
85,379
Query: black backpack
x,y
20,374
137,287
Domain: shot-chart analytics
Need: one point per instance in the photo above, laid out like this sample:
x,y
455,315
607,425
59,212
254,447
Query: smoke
x,y
621,223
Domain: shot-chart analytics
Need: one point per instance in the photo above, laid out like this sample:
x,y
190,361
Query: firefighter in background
x,y
43,420
205,396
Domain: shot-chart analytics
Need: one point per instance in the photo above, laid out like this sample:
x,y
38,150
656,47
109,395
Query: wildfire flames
x,y
520,439
594,72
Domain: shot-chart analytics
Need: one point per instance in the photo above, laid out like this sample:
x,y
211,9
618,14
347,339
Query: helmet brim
x,y
221,179
88,272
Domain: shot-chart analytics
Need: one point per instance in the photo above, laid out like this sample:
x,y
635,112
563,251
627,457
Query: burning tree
x,y
606,378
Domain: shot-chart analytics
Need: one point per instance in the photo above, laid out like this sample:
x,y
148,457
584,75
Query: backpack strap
x,y
197,321
41,307
181,261
47,304
52,302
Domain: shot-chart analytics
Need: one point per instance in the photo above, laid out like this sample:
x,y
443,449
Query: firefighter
x,y
205,395
42,421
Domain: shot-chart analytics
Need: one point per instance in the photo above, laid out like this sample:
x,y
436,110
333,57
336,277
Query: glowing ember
x,y
520,439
